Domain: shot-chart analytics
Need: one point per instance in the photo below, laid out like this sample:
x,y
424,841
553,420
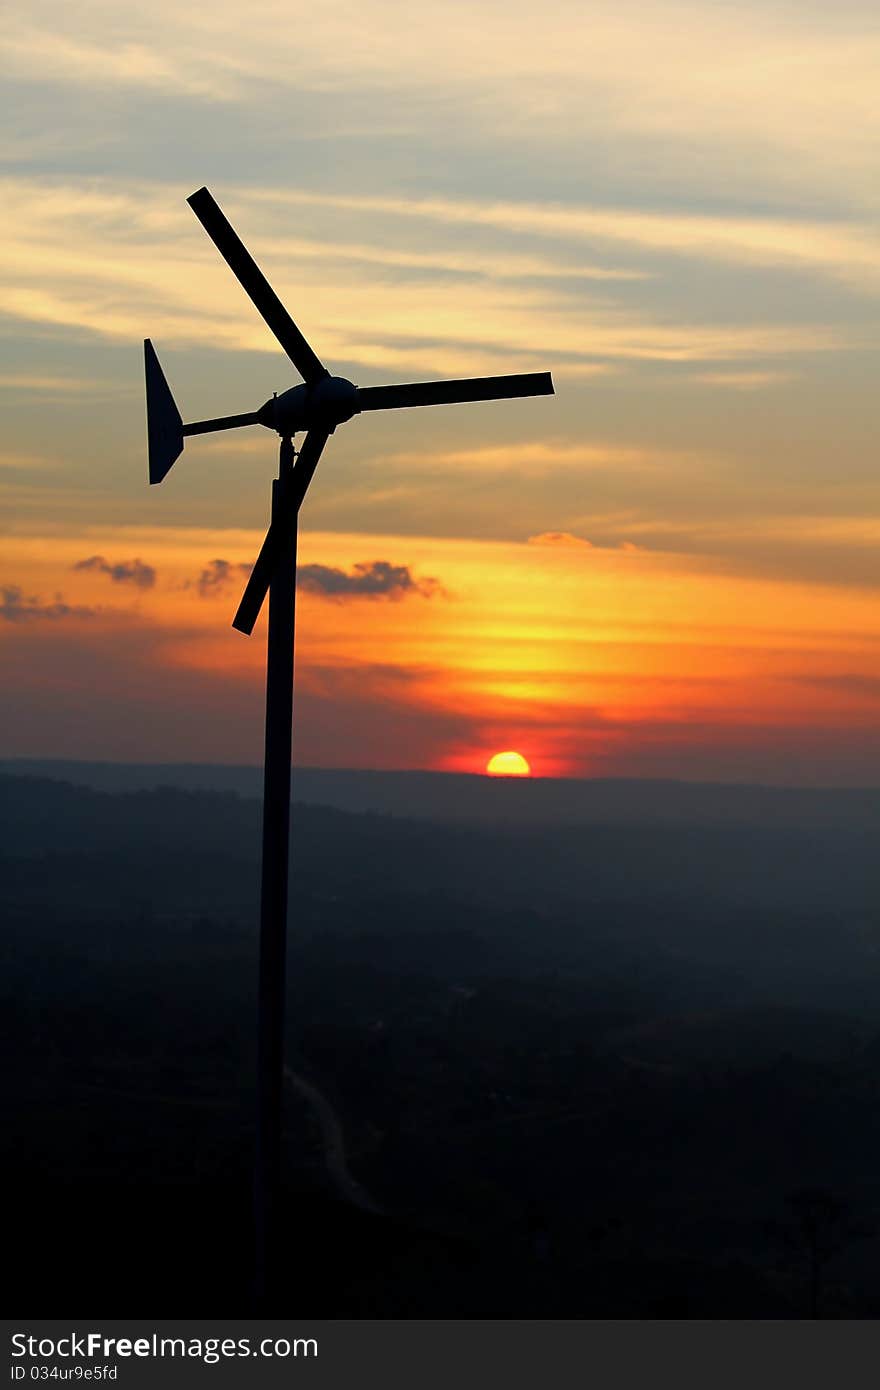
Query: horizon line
x,y
682,781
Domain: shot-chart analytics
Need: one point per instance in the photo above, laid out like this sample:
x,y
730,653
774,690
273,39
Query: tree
x,y
818,1227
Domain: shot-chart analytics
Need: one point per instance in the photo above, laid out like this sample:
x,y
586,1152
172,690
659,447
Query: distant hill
x,y
490,801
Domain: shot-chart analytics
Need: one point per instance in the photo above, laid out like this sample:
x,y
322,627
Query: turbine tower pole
x,y
316,408
274,895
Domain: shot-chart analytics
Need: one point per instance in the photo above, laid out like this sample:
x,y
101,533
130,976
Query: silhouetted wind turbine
x,y
317,407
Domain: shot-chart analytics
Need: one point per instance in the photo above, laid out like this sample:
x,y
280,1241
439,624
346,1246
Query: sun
x,y
508,765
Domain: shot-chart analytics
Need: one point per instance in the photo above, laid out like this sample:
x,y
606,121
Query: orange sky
x,y
586,659
668,569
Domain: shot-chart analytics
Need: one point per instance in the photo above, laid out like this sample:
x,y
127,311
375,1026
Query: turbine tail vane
x,y
164,425
166,431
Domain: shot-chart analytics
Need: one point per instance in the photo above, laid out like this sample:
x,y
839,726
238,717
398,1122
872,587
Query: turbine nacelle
x,y
324,405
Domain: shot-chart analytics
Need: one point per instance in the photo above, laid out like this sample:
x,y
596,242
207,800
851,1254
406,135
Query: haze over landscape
x,y
610,1055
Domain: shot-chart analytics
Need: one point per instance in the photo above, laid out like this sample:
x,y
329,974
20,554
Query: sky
x,y
668,569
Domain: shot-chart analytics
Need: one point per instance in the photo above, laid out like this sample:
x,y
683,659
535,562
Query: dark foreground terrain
x,y
624,1069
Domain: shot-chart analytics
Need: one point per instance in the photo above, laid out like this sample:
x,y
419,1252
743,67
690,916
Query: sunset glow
x,y
611,660
667,570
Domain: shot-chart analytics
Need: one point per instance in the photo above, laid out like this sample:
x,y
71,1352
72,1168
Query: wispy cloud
x,y
134,572
57,387
18,607
96,61
112,263
498,265
849,683
217,576
740,93
742,381
845,250
540,456
20,462
564,538
373,580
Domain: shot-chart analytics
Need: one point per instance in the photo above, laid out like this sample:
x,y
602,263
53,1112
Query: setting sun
x,y
508,765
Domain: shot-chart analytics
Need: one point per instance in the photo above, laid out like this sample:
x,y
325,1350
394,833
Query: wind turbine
x,y
317,407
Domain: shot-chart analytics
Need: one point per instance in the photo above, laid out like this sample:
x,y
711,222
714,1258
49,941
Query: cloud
x,y
128,64
731,94
867,687
123,572
538,457
215,578
566,540
742,381
560,538
378,579
21,462
15,607
44,384
107,261
845,250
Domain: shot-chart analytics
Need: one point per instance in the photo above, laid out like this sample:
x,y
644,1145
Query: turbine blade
x,y
480,388
225,422
164,426
256,286
284,517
